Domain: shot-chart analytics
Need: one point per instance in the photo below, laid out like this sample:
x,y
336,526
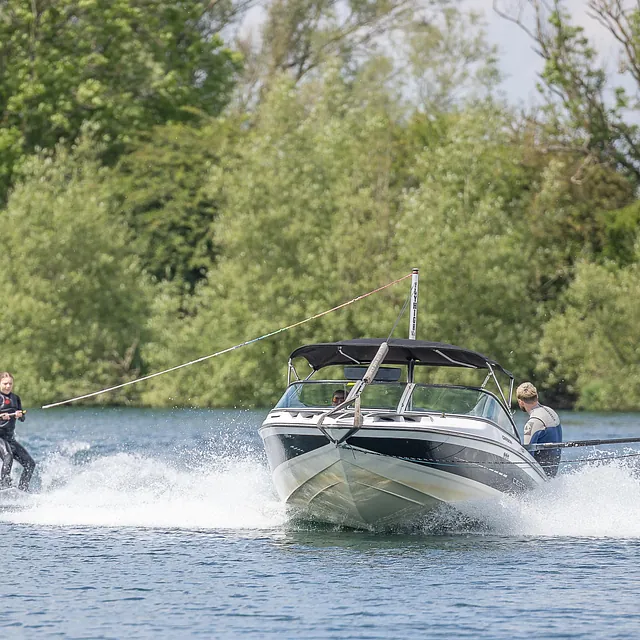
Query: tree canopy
x,y
123,65
169,190
76,299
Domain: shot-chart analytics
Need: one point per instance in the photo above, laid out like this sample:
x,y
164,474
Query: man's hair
x,y
527,392
5,374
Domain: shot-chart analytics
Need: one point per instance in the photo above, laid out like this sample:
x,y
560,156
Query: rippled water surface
x,y
164,524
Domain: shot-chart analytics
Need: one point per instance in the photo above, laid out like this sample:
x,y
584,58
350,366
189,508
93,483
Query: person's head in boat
x,y
6,383
527,396
338,397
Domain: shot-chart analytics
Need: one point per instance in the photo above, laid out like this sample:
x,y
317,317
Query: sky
x,y
518,60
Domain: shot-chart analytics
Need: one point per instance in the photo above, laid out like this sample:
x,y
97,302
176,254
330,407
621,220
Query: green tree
x,y
124,65
75,298
621,231
586,113
299,36
593,347
463,227
570,220
308,224
450,61
497,225
166,200
585,208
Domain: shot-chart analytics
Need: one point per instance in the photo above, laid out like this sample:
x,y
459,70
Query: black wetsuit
x,y
10,448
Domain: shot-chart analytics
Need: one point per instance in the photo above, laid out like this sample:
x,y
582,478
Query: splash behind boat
x,y
395,449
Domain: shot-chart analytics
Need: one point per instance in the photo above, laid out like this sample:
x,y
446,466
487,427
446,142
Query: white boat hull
x,y
392,474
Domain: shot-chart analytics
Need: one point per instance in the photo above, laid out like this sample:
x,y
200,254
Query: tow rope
x,y
219,353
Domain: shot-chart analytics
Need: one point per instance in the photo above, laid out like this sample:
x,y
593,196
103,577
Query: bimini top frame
x,y
401,352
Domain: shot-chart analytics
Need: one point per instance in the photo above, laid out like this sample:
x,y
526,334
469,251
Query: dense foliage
x,y
123,65
166,197
74,294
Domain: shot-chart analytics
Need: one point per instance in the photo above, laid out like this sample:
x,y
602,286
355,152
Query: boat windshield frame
x,y
404,404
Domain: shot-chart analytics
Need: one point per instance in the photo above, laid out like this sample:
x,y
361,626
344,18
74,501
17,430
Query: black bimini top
x,y
401,351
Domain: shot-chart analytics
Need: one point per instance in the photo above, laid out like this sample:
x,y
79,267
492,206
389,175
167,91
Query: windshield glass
x,y
460,400
377,395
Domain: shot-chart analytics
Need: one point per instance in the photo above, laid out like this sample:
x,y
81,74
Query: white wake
x,y
214,492
235,491
594,500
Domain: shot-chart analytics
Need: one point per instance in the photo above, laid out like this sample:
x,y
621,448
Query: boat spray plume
x,y
227,350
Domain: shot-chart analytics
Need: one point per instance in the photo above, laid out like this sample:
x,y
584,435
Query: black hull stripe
x,y
286,446
467,462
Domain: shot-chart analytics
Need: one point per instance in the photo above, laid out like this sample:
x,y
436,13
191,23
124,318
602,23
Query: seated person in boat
x,y
543,426
338,397
10,448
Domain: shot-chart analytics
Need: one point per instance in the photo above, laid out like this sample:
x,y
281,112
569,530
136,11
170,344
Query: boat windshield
x,y
384,395
462,401
377,395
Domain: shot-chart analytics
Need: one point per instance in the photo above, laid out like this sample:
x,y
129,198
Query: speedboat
x,y
394,449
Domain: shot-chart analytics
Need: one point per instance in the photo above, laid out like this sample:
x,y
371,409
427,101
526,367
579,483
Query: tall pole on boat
x,y
413,312
413,317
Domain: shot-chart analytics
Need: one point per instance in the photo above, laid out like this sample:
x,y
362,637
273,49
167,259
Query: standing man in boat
x,y
10,448
543,426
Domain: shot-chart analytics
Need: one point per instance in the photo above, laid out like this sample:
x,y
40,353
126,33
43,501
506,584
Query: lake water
x,y
164,524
